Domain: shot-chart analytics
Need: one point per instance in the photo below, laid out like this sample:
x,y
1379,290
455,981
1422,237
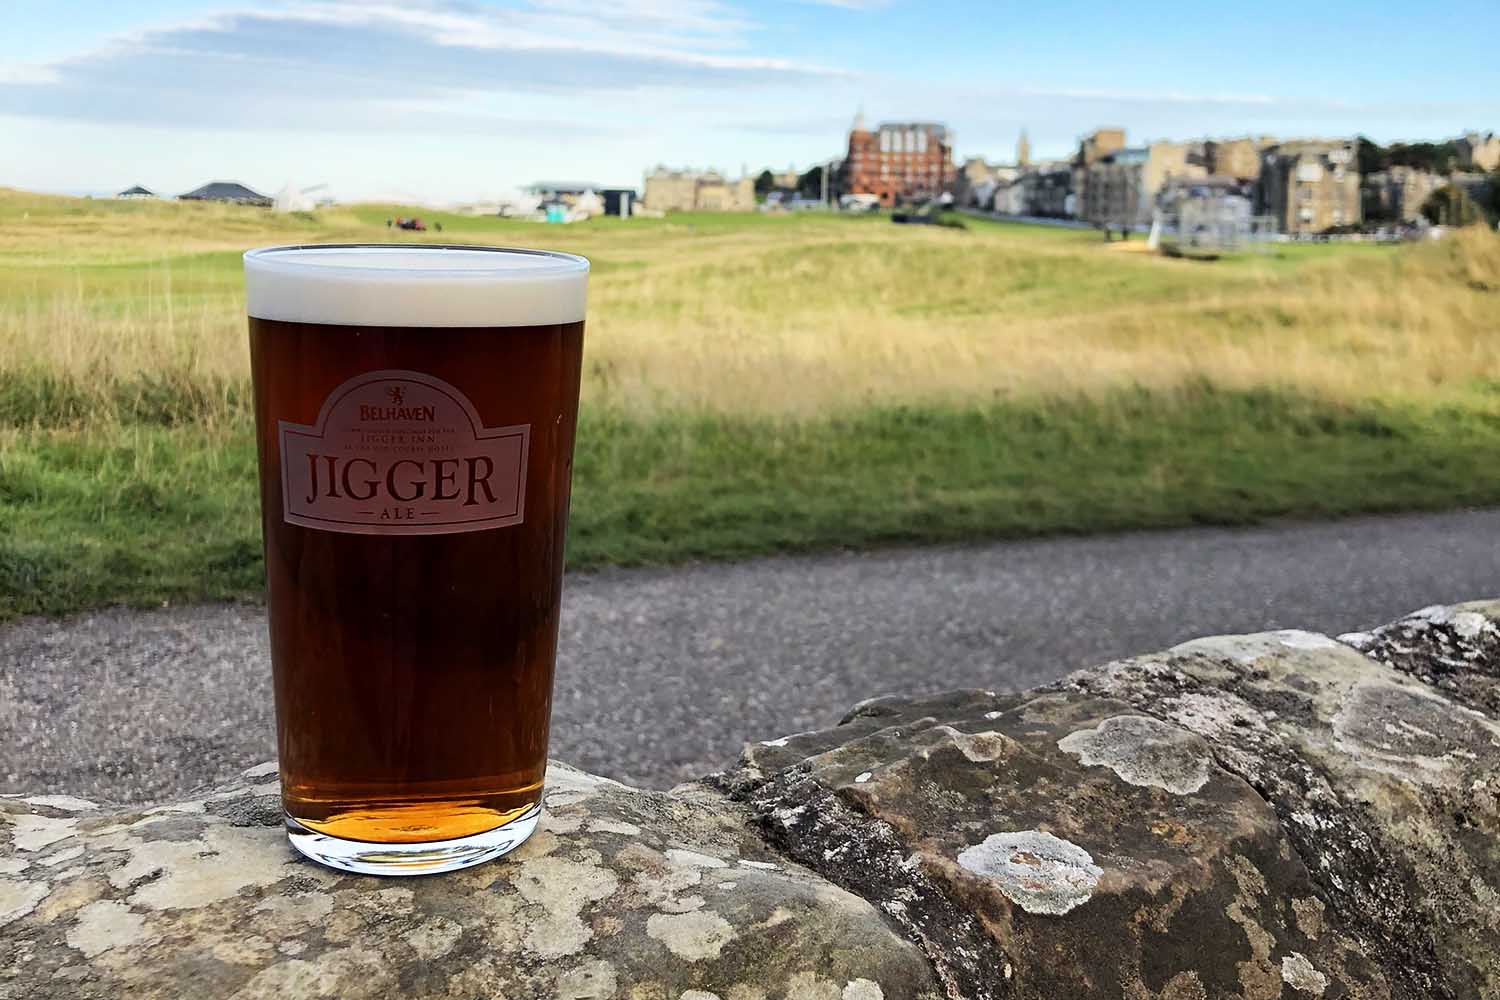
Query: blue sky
x,y
450,101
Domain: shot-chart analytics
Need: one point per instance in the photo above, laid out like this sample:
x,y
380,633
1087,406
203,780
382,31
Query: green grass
x,y
145,513
760,384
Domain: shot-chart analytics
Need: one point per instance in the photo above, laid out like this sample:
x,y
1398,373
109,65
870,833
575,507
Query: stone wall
x,y
1275,815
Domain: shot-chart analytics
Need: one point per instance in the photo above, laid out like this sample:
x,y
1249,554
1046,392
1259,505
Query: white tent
x,y
588,205
519,204
293,198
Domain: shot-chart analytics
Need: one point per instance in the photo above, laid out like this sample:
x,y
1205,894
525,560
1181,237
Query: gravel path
x,y
664,673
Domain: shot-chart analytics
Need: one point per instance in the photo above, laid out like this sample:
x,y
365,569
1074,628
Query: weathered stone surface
x,y
620,893
1385,789
1454,649
1268,816
1097,851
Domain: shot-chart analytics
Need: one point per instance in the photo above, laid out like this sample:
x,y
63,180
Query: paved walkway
x,y
664,673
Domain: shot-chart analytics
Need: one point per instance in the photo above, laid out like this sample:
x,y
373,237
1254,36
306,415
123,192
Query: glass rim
x,y
293,258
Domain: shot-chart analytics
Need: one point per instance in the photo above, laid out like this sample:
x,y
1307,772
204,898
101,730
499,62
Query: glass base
x,y
431,858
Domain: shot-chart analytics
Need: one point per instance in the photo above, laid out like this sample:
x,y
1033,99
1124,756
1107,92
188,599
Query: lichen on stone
x,y
1035,870
1298,973
694,935
1144,752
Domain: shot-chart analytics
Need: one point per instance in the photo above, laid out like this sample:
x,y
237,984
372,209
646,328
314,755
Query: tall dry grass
x,y
802,316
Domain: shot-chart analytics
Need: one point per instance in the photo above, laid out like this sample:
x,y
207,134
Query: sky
x,y
449,101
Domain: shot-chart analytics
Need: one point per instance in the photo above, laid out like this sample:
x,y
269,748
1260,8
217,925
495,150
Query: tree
x,y
810,184
1450,206
1372,158
1436,157
764,184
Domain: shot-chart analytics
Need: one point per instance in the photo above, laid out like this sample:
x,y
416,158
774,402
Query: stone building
x,y
975,178
1310,186
1168,161
1009,196
1478,152
1099,144
1091,149
1111,192
1237,158
1047,190
1397,194
697,191
1120,188
899,161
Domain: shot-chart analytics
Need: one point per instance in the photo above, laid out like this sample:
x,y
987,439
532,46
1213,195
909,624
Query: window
x,y
922,141
885,141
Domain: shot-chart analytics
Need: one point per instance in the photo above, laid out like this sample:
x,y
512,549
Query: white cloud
x,y
361,66
27,73
1155,97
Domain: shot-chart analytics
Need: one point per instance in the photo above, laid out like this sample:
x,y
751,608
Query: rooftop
x,y
224,191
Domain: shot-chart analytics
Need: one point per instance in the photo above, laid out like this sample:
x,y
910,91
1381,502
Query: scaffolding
x,y
1207,217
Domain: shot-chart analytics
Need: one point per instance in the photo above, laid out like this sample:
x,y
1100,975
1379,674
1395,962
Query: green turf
x,y
161,509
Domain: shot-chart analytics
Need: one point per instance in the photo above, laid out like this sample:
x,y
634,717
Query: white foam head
x,y
415,285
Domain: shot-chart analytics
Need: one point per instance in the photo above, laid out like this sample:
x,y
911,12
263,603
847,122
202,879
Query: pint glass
x,y
415,410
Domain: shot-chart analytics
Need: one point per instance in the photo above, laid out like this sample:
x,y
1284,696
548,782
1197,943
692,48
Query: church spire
x,y
1023,150
859,121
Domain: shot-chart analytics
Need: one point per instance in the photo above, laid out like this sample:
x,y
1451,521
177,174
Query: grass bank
x,y
149,511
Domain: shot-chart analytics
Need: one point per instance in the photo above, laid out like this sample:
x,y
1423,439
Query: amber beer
x,y
415,410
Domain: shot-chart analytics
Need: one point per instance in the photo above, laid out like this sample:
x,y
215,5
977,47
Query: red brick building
x,y
899,161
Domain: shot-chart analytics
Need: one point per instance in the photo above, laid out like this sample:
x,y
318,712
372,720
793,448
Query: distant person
x,y
387,223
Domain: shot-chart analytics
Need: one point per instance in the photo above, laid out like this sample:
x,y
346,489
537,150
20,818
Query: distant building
x,y
1047,190
697,191
1479,152
1310,186
583,199
1396,194
1009,197
1099,144
136,192
1120,188
619,201
1114,190
1237,158
230,192
561,189
1169,161
1023,151
974,180
899,161
1091,149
